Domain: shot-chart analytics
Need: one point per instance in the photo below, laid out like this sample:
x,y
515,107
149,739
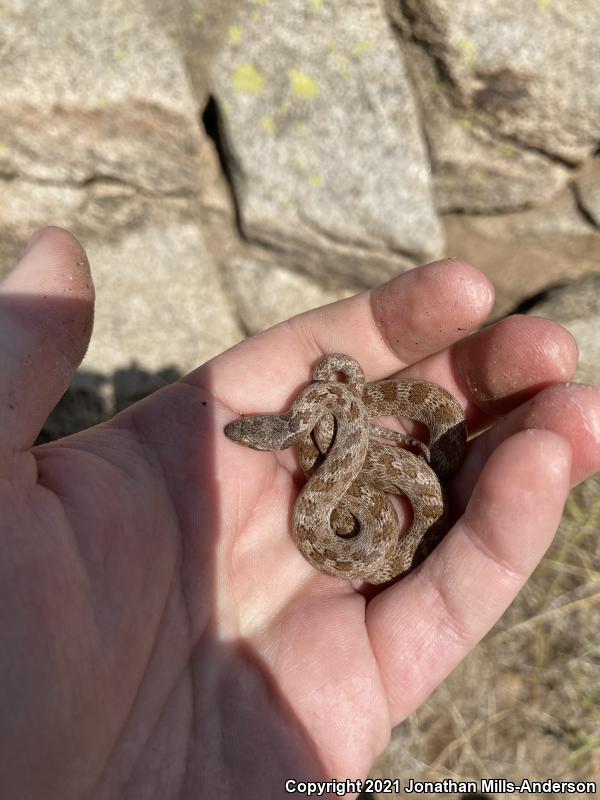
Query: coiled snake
x,y
343,522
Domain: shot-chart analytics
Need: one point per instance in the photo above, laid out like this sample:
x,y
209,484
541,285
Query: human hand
x,y
161,634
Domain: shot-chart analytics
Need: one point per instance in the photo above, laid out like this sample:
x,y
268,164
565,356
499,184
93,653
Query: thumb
x,y
46,318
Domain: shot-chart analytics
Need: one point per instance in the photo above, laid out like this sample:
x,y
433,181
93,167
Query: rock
x,y
102,95
27,205
524,70
525,252
266,293
160,302
199,30
505,97
588,190
100,133
322,138
474,169
104,211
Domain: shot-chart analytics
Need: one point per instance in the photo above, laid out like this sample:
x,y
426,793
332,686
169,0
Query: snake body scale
x,y
343,523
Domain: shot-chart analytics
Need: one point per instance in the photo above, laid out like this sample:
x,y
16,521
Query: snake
x,y
343,522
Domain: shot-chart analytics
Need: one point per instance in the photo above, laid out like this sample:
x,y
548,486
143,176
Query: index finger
x,y
412,316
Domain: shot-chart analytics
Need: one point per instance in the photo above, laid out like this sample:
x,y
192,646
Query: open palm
x,y
161,636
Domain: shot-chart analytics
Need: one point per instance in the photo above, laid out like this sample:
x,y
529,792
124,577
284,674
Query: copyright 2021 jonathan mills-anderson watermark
x,y
394,785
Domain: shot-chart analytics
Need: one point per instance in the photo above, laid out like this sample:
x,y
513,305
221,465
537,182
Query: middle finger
x,y
496,369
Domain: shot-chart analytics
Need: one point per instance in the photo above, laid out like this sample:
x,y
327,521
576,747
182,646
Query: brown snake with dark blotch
x,y
343,522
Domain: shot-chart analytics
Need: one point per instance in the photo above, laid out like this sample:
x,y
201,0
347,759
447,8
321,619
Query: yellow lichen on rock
x,y
268,125
303,85
234,34
248,80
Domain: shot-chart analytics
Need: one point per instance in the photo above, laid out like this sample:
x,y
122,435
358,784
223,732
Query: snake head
x,y
267,432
